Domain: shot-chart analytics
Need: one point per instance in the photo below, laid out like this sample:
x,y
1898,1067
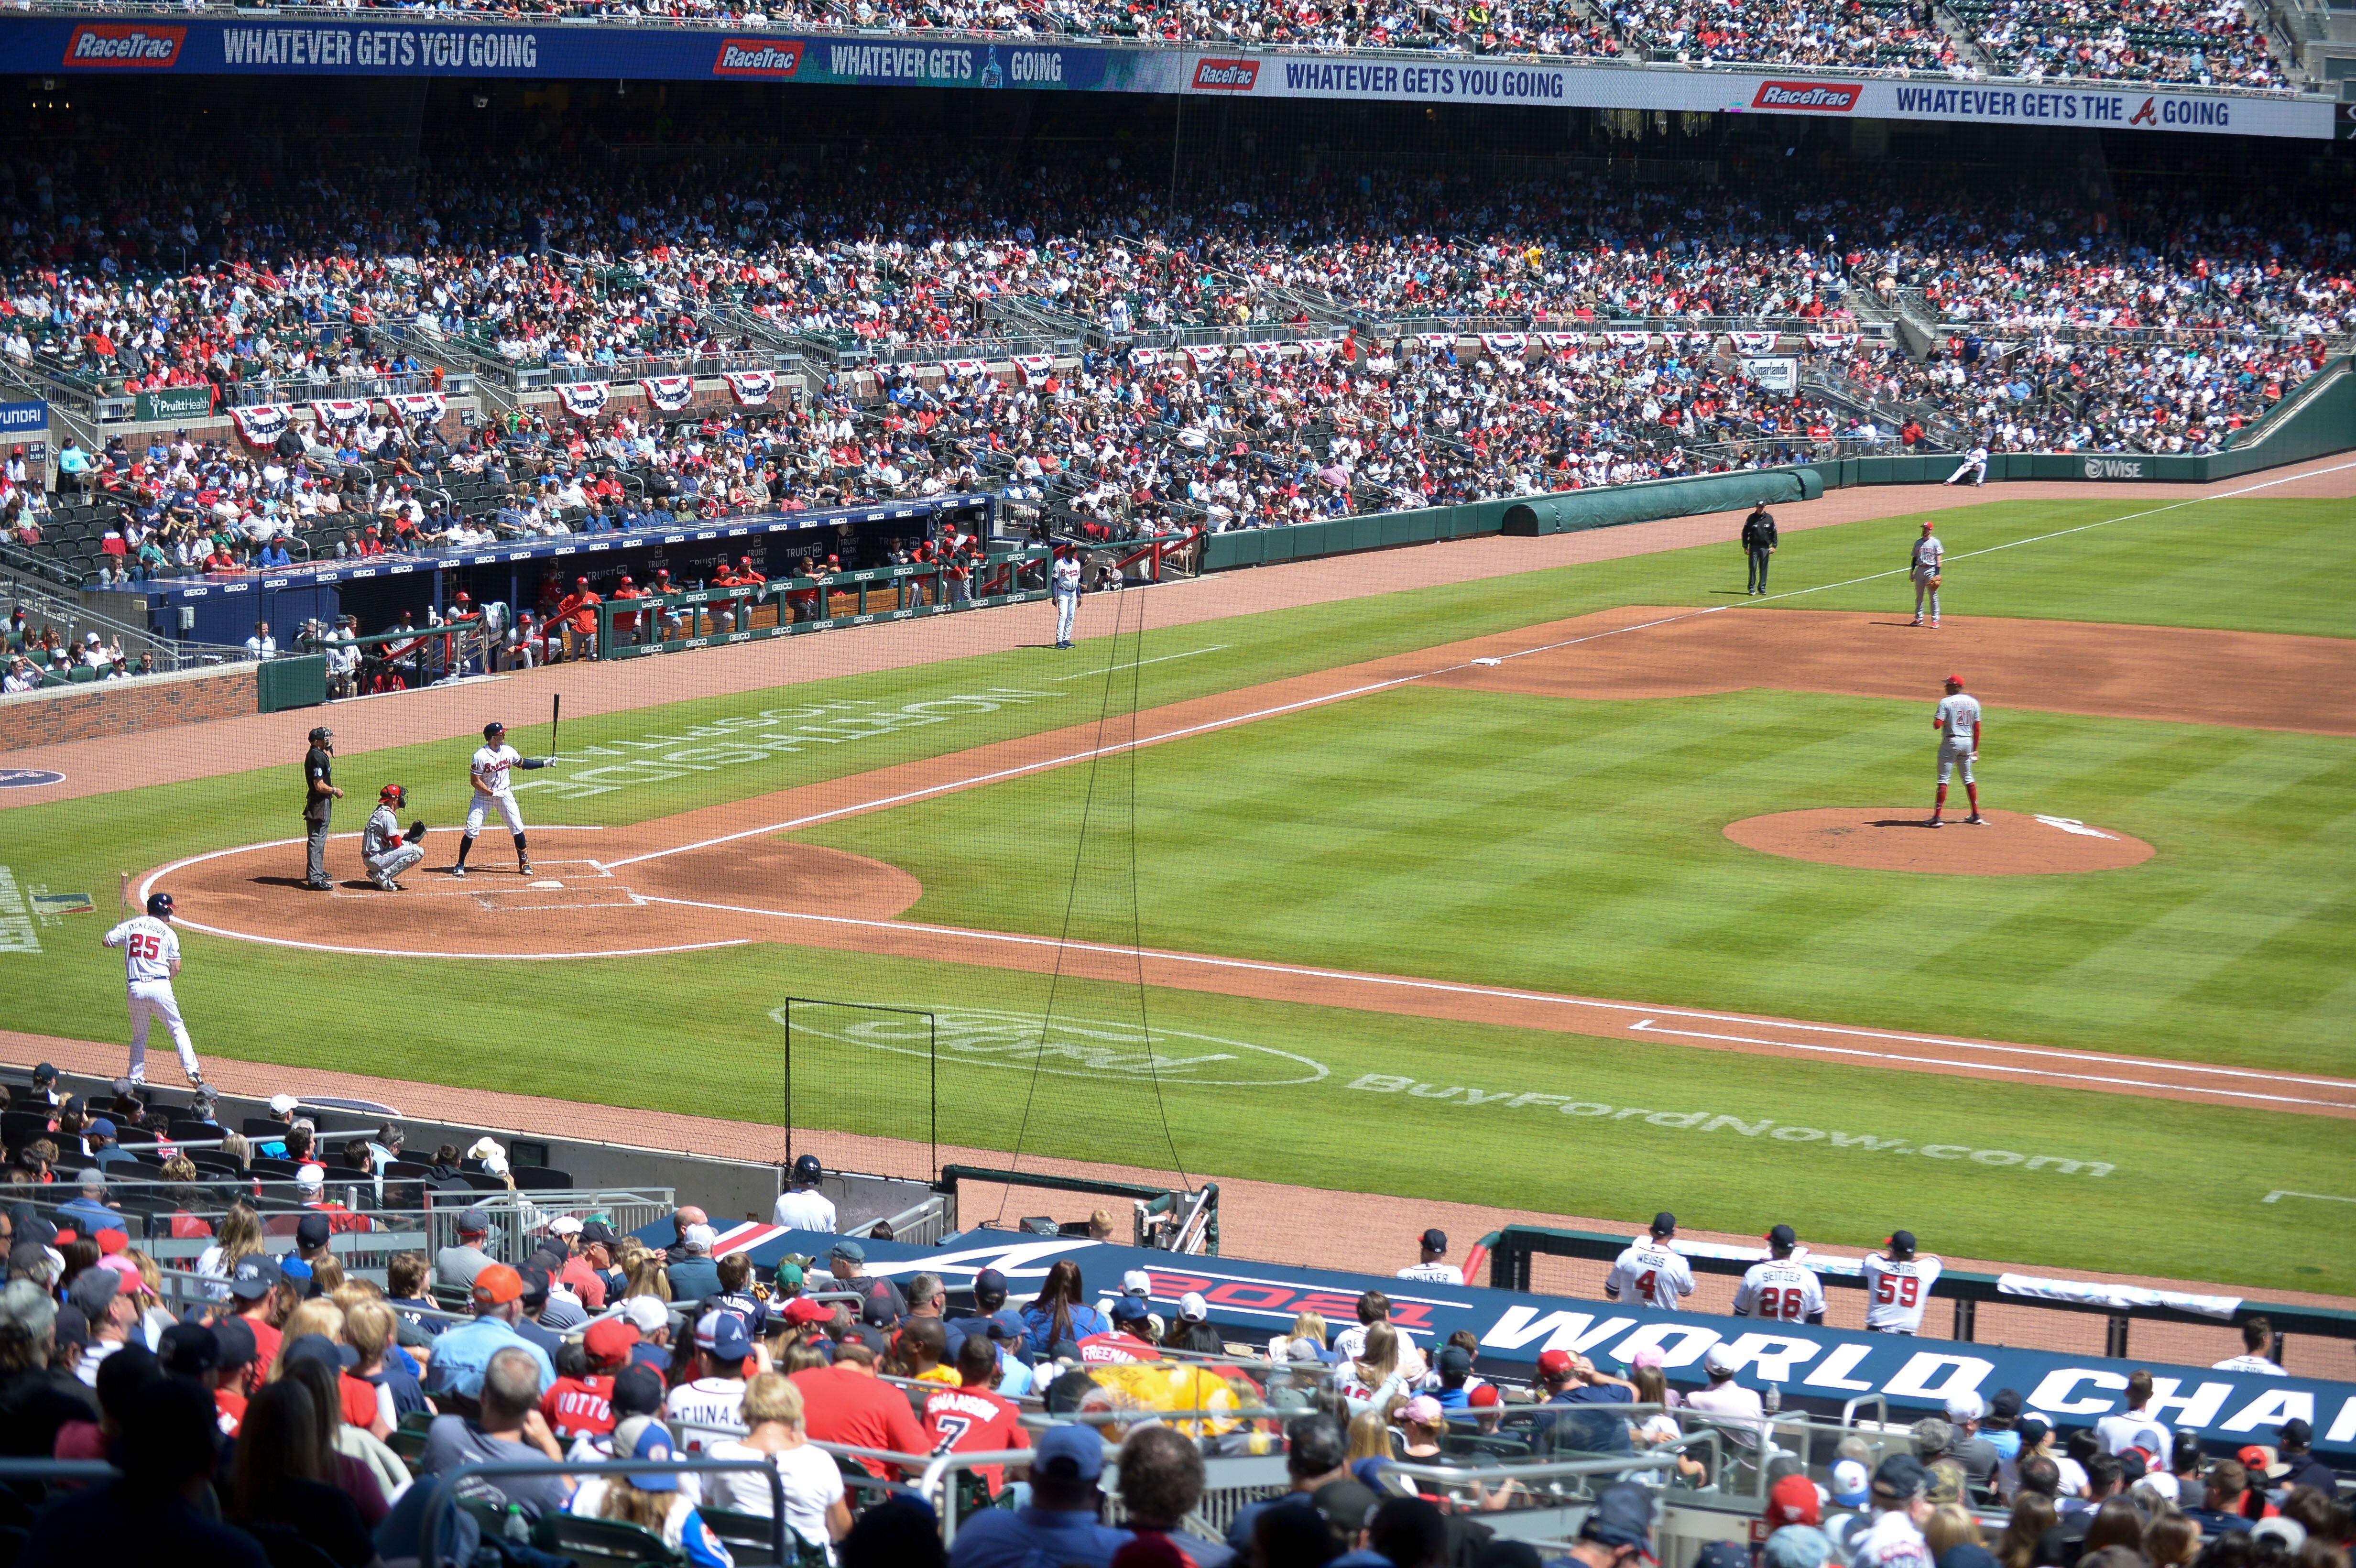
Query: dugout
x,y
221,611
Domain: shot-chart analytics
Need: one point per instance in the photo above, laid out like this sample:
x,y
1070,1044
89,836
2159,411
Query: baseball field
x,y
1597,889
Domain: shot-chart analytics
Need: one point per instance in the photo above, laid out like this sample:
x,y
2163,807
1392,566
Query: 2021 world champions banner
x,y
34,46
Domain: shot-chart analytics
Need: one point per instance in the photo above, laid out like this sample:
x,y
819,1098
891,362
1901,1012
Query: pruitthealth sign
x,y
1250,1301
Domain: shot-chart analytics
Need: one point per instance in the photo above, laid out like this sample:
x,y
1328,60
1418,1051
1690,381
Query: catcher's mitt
x,y
416,834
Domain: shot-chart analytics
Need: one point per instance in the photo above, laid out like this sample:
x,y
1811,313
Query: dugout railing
x,y
682,622
1513,1250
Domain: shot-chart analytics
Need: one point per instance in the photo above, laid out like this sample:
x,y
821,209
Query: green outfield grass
x,y
1568,845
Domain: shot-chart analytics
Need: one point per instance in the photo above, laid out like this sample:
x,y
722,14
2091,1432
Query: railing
x,y
246,394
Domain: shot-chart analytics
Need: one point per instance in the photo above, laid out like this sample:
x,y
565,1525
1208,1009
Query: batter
x,y
488,774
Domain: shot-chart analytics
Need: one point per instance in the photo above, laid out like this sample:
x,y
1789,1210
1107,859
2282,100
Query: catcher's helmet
x,y
160,905
392,795
805,1169
494,728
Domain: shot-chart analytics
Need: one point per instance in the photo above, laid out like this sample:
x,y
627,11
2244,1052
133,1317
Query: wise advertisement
x,y
1253,1301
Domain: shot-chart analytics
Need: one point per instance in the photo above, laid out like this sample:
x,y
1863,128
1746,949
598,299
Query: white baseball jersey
x,y
1433,1274
1928,551
1652,1274
2257,1364
802,1209
1064,579
1896,1292
2132,1429
149,947
490,767
1959,719
1782,1290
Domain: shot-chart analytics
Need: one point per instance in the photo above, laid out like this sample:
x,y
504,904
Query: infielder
x,y
1898,1286
1782,1287
151,957
1649,1271
1958,723
1064,587
388,854
488,774
1974,463
1923,567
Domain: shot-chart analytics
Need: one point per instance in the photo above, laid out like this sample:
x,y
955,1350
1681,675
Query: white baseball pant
x,y
1923,590
509,810
393,862
1977,470
1952,752
150,999
1067,609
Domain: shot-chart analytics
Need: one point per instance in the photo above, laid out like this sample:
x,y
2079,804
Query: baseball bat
x,y
555,716
122,896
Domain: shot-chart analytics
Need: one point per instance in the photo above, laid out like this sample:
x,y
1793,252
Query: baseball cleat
x,y
1934,822
1975,820
196,1079
1915,622
457,870
523,869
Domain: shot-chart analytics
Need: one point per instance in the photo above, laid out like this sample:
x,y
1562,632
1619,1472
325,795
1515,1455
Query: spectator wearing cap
x,y
2302,1468
1796,1546
1316,1454
651,1318
1739,1411
694,1274
1570,1379
1063,1523
535,1301
1934,1445
1193,1332
1139,1284
262,1298
457,1264
1124,1342
507,1429
710,1396
580,1404
654,1500
169,1448
111,1312
596,1244
1893,1539
1618,1530
843,1404
463,1355
1431,1265
89,1211
1979,1457
802,1206
99,1137
2223,1497
578,1274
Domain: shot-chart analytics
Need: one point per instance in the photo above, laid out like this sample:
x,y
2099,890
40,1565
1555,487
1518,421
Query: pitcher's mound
x,y
1895,839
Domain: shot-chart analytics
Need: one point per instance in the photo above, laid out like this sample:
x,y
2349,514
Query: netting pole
x,y
790,1082
933,1088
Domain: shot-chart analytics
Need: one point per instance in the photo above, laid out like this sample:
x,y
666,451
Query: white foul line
x,y
1140,664
1452,988
2319,1197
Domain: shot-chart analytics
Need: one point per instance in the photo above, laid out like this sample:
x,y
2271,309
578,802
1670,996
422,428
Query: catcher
x,y
388,851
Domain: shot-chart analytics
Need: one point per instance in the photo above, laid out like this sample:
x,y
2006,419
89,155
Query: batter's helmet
x,y
494,728
160,905
805,1169
392,795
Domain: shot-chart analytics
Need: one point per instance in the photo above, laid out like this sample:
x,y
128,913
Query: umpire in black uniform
x,y
1758,543
320,797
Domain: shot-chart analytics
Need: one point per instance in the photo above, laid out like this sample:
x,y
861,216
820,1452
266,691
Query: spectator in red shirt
x,y
1125,1344
970,1419
844,1403
583,1406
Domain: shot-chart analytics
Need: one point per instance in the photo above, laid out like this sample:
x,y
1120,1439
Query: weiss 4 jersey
x,y
1782,1290
490,767
1896,1292
149,947
1650,1273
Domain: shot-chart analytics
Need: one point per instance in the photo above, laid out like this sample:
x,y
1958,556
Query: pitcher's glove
x,y
1935,581
416,834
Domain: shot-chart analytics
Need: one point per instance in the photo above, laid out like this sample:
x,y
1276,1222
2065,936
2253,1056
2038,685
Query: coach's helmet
x,y
393,795
160,905
493,730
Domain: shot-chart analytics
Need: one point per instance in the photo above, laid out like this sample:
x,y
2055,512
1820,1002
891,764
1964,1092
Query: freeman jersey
x,y
1782,1290
1650,1273
1896,1292
381,834
1927,551
1959,718
149,947
490,767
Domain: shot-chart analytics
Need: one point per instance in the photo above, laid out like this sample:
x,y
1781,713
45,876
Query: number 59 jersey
x,y
1896,1292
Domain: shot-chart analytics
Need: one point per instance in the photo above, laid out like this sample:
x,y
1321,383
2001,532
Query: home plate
x,y
1488,661
546,884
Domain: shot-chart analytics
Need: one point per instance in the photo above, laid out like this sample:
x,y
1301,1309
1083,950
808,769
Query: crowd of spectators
x,y
2213,43
273,1394
1890,34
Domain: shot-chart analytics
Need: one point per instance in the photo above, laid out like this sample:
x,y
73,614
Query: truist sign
x,y
134,45
1817,97
757,56
1226,75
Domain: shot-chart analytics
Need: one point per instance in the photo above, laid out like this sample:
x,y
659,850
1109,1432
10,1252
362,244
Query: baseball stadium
x,y
1104,785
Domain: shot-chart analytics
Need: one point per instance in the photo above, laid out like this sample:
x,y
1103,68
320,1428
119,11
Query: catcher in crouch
x,y
383,845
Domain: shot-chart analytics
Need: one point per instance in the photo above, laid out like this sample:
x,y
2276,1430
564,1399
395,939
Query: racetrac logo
x,y
1226,76
135,44
756,57
1821,97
